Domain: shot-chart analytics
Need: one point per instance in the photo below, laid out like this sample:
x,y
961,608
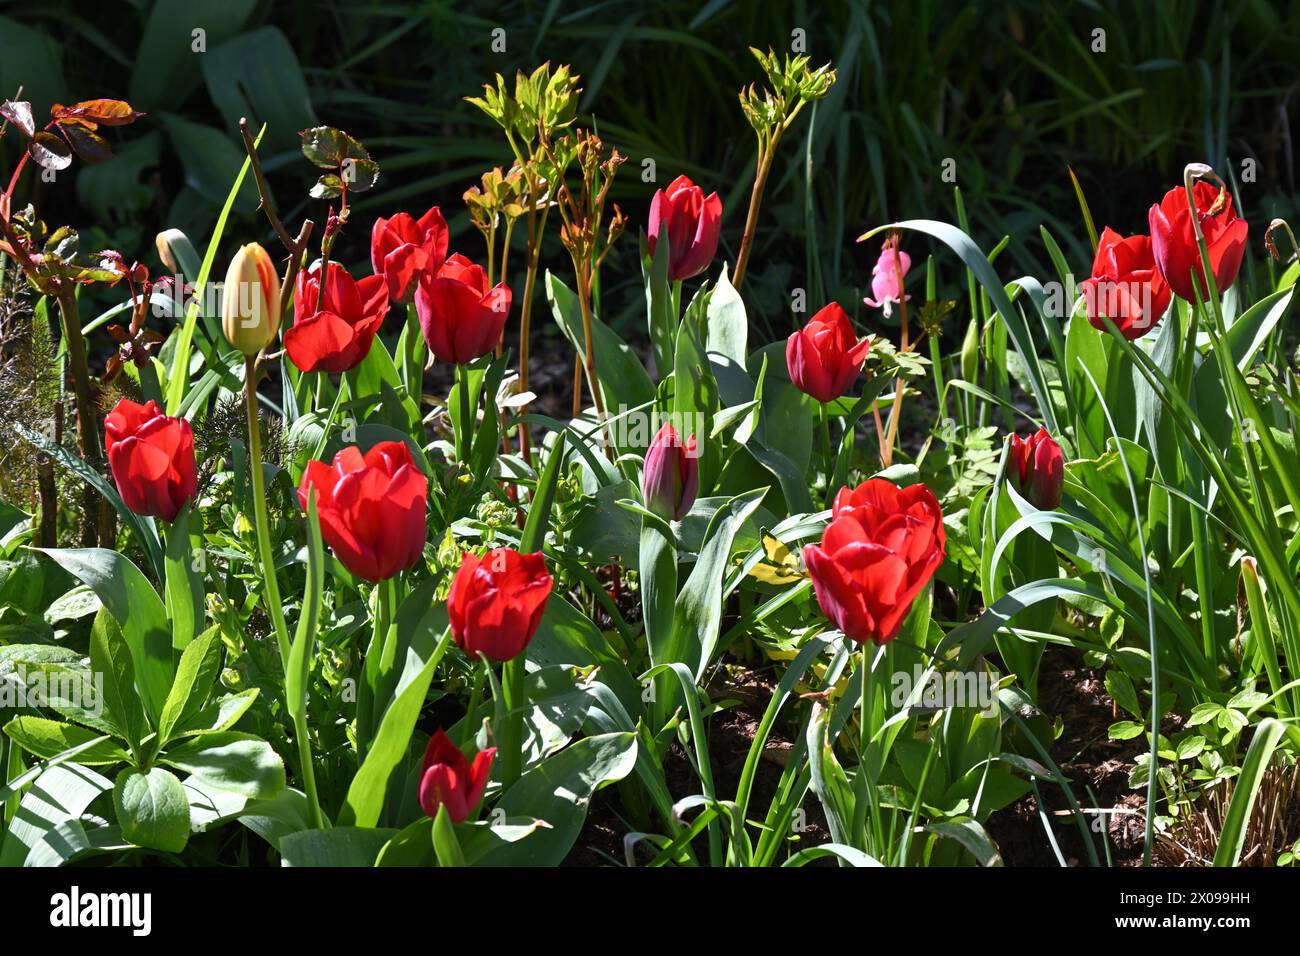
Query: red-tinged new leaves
x,y
89,113
49,151
19,112
89,146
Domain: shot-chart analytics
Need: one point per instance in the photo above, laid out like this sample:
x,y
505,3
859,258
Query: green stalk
x,y
273,608
466,415
512,734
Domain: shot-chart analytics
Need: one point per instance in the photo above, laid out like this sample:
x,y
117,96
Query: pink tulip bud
x,y
671,477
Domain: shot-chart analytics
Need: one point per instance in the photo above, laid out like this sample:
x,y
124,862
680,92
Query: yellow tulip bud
x,y
250,308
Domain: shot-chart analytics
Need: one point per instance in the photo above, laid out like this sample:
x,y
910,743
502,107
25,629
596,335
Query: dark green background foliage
x,y
1009,90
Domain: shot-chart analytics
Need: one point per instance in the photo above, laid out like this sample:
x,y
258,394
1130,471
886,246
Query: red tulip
x,y
824,357
692,222
1125,286
496,602
1039,469
151,456
371,507
461,318
448,780
881,548
671,476
403,249
334,333
1173,239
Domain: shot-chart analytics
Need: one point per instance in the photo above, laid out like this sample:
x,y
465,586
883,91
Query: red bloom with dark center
x,y
151,456
372,508
825,357
403,248
1039,469
449,780
880,549
497,601
1125,285
692,221
333,332
1173,239
461,318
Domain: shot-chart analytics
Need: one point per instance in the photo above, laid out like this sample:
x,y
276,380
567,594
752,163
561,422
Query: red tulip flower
x,y
461,318
671,476
372,508
1173,239
692,222
824,357
403,249
333,332
496,602
151,456
1039,469
1125,285
881,548
449,780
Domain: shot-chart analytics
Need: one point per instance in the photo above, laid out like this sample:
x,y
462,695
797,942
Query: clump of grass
x,y
1273,828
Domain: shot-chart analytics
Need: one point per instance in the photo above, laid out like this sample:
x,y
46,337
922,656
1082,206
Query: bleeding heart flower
x,y
151,456
880,549
334,332
887,276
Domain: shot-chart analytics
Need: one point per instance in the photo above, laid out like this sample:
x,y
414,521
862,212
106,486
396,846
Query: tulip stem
x,y
512,734
334,410
825,431
465,414
475,697
273,608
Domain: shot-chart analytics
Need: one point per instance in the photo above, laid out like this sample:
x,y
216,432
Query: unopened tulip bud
x,y
250,308
671,477
1039,468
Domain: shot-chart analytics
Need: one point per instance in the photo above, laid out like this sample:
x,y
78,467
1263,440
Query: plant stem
x,y
273,608
512,734
764,167
87,433
466,415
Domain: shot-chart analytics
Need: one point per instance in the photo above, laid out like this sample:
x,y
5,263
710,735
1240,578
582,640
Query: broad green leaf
x,y
110,657
343,846
51,738
152,809
131,599
195,674
558,791
232,761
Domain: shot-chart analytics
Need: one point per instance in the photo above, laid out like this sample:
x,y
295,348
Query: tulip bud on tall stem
x,y
266,558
